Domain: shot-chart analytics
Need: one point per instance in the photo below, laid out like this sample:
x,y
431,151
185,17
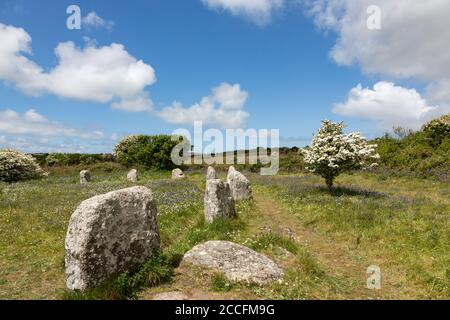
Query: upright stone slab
x,y
132,175
211,174
85,176
177,174
218,201
239,185
109,234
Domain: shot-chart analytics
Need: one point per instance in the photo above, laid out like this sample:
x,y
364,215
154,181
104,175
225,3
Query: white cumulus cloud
x,y
258,11
107,74
389,106
411,44
222,108
34,124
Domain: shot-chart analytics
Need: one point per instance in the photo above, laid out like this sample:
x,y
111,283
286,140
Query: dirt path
x,y
337,259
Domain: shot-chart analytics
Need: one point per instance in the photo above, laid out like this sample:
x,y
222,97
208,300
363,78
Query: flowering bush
x,y
52,160
123,148
16,166
332,152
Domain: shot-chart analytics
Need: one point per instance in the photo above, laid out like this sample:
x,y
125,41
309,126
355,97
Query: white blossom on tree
x,y
17,166
332,152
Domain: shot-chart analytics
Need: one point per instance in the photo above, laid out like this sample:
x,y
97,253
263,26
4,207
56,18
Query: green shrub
x,y
423,153
17,166
53,159
437,130
292,162
147,151
72,159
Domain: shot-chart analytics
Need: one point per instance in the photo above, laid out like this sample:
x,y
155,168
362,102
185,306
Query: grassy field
x,y
325,241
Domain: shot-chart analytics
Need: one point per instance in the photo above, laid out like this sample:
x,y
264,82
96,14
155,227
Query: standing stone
x,y
218,201
211,173
177,174
85,176
109,234
132,175
239,185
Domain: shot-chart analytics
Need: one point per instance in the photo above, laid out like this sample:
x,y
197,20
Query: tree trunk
x,y
329,181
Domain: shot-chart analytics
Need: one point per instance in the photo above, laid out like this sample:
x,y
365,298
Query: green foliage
x,y
416,153
156,270
71,159
220,284
16,166
437,130
292,162
147,151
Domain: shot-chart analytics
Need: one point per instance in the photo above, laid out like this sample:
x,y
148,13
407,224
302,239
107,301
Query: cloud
x,y
33,123
106,74
410,45
33,132
93,21
223,108
139,103
439,92
44,145
258,11
389,106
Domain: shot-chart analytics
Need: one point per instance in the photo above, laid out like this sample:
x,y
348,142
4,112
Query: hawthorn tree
x,y
332,152
17,166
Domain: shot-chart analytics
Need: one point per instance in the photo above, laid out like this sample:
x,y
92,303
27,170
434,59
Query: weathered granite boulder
x,y
236,262
132,175
177,174
239,184
211,173
218,201
109,234
85,176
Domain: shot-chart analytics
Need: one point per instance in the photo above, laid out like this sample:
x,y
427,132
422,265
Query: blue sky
x,y
276,58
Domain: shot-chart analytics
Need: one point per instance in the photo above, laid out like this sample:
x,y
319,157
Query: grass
x,y
323,240
270,240
399,223
220,284
33,223
34,217
158,269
